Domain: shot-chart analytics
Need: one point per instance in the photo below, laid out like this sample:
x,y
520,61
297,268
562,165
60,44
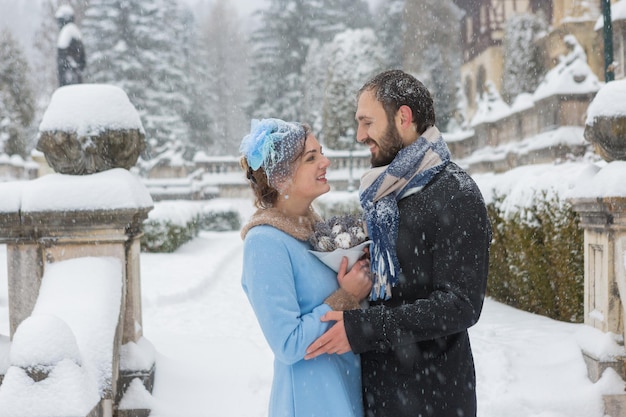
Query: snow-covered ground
x,y
212,359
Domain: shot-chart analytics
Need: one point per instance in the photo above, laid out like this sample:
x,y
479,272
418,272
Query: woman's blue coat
x,y
287,286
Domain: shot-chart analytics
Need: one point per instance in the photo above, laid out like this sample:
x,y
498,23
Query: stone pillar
x,y
600,202
604,222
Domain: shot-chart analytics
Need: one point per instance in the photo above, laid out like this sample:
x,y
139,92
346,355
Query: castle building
x,y
483,28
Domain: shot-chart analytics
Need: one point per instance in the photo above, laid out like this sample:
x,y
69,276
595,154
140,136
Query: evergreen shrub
x,y
536,262
220,220
165,235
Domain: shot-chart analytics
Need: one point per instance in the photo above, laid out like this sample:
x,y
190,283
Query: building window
x,y
481,79
469,93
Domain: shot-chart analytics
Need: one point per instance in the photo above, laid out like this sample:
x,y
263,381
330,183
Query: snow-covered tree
x,y
523,66
353,57
391,29
433,51
280,47
136,45
224,51
330,17
314,76
17,103
199,116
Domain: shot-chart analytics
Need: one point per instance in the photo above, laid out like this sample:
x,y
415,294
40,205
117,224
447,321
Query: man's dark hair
x,y
396,88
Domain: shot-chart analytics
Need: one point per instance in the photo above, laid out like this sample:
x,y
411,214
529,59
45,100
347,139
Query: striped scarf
x,y
382,188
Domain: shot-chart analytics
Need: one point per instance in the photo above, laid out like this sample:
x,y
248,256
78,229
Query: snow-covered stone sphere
x,y
89,128
605,126
40,342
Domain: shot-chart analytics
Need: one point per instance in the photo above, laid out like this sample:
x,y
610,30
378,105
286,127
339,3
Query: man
x,y
429,259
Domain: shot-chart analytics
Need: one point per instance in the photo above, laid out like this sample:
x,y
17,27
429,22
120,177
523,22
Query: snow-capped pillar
x,y
600,202
92,207
604,222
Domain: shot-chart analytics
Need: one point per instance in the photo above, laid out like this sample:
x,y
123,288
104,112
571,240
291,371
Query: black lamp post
x,y
607,31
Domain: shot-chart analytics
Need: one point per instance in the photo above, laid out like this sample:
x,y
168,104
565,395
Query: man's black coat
x,y
415,350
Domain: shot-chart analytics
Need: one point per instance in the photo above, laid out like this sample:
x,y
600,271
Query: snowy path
x,y
530,366
212,359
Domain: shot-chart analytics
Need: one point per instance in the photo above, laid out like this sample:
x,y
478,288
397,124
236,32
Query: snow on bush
x,y
172,223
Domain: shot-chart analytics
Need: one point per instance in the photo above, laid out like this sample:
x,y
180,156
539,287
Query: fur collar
x,y
300,227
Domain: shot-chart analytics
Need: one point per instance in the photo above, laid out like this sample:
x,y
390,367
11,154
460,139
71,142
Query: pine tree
x,y
280,48
330,17
314,78
224,51
343,81
199,117
523,66
391,28
17,103
45,43
136,46
433,53
281,44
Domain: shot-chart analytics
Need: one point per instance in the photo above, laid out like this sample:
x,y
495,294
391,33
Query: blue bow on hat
x,y
259,146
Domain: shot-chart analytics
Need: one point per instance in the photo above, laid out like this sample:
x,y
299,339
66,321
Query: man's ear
x,y
406,116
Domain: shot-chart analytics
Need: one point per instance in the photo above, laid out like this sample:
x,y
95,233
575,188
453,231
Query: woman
x,y
289,288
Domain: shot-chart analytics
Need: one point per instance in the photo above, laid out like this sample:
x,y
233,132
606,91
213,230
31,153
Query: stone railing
x,y
502,135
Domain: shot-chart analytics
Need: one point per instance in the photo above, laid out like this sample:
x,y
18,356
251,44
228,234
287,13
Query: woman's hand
x,y
357,282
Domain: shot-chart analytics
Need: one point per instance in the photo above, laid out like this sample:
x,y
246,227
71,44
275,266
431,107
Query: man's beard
x,y
388,146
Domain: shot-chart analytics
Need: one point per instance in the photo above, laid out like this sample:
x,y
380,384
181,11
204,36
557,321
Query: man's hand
x,y
334,340
358,281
